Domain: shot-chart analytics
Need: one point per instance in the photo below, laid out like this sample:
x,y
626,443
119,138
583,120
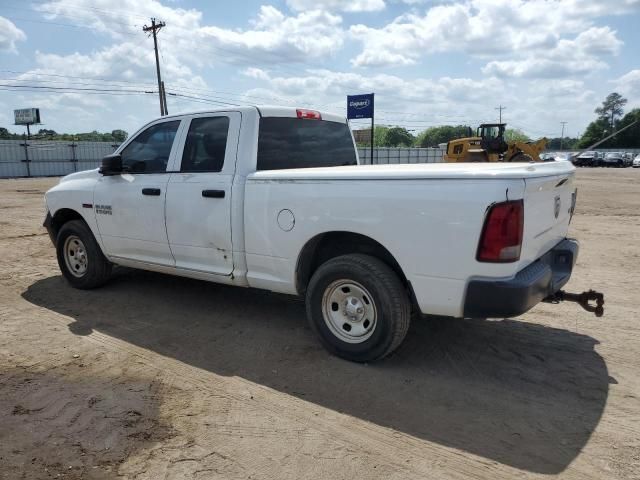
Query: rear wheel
x,y
79,256
358,307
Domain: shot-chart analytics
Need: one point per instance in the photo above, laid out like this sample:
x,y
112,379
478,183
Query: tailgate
x,y
547,211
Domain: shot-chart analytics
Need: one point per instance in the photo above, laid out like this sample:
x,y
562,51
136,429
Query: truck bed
x,y
421,171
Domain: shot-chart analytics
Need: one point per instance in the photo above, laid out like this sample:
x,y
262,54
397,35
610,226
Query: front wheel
x,y
358,307
79,256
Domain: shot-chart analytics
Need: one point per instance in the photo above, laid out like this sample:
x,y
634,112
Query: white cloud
x,y
277,37
580,56
114,17
9,35
256,73
271,36
489,29
337,5
629,84
187,45
453,98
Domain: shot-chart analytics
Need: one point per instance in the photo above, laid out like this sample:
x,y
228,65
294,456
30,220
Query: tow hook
x,y
582,299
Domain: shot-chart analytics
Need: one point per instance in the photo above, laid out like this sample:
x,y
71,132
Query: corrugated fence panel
x,y
383,156
50,158
53,158
47,159
12,158
89,154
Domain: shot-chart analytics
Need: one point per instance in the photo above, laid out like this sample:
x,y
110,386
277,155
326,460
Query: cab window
x,y
205,145
292,143
149,151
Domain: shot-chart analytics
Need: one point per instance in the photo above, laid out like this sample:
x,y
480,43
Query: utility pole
x,y
562,135
154,29
164,99
500,108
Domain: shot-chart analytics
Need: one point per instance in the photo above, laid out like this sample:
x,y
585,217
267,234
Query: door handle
x,y
213,193
151,191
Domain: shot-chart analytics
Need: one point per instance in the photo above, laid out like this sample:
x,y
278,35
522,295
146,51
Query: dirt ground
x,y
160,377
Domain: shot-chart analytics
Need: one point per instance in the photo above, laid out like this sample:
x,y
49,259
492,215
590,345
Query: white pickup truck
x,y
274,198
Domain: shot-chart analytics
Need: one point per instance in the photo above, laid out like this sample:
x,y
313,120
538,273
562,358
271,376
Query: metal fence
x,y
400,155
42,158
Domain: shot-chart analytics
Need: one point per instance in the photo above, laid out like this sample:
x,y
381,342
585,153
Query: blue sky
x,y
429,62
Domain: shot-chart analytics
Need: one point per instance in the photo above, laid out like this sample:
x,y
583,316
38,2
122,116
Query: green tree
x,y
611,108
558,143
119,135
630,138
595,132
515,135
43,132
433,136
380,136
398,136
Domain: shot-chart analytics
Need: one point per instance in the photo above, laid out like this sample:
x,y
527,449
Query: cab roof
x,y
266,111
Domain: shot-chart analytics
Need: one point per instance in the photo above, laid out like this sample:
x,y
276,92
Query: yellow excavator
x,y
489,145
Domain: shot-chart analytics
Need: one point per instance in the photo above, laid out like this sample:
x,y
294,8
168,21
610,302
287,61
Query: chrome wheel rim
x,y
75,256
349,311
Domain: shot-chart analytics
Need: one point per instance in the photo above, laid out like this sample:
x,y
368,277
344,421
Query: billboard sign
x,y
27,116
360,106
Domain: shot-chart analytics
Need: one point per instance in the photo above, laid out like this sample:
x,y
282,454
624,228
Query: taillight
x,y
308,114
501,238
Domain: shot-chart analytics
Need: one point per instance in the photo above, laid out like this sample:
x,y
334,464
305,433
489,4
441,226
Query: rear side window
x,y
296,143
205,145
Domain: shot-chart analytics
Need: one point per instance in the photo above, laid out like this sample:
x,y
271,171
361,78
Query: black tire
x,y
98,268
388,296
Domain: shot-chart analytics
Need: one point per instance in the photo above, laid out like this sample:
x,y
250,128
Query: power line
x,y
61,24
66,15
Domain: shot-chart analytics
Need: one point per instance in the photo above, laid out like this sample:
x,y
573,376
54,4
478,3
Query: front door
x,y
199,196
130,208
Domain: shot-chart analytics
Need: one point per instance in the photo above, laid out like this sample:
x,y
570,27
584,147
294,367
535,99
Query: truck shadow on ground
x,y
522,394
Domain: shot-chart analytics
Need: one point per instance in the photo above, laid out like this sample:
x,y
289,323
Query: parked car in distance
x,y
614,159
628,159
589,158
563,156
636,161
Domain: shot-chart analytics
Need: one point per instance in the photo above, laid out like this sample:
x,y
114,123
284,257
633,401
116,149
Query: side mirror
x,y
111,165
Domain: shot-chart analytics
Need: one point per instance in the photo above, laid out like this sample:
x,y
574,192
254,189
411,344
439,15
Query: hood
x,y
79,175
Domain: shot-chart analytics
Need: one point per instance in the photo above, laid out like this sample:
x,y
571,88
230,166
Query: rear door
x,y
548,204
198,211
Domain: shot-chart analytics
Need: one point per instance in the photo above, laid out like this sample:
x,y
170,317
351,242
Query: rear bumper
x,y
508,298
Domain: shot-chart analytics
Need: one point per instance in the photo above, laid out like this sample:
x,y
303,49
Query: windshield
x,y
613,155
489,132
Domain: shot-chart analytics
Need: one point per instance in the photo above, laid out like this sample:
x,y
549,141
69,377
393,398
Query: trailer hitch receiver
x,y
582,299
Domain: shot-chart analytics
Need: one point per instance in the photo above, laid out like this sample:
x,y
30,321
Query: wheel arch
x,y
62,216
328,245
